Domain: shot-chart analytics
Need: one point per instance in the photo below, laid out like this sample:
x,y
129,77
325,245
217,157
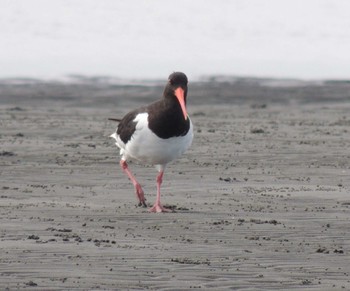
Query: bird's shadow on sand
x,y
173,209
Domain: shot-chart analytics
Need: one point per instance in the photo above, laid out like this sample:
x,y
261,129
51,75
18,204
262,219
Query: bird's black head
x,y
178,79
176,89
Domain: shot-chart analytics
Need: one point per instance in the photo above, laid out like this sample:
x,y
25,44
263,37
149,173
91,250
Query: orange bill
x,y
180,95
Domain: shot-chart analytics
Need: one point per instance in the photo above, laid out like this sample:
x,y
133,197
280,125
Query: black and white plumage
x,y
156,134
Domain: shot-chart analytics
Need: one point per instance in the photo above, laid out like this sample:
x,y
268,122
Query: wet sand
x,y
262,197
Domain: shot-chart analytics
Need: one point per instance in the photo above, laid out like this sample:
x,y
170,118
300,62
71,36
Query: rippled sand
x,y
262,198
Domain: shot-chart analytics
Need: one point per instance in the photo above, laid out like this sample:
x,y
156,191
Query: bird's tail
x,y
115,119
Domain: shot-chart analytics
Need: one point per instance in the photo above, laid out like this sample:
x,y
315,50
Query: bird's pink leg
x,y
157,207
138,189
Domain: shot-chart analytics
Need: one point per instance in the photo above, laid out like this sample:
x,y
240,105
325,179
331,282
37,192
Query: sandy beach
x,y
261,199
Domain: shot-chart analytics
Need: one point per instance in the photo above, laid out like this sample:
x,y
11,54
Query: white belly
x,y
148,148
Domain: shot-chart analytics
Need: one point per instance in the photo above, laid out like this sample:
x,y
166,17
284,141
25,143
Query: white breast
x,y
146,147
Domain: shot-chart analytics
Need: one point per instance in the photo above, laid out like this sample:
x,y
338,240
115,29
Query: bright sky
x,y
151,38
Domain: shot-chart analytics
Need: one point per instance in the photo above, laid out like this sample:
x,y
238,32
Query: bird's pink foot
x,y
140,195
157,208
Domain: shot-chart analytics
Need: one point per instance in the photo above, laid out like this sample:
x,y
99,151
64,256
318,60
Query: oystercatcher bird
x,y
156,134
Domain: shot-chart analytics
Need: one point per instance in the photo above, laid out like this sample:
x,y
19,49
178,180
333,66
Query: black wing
x,y
126,127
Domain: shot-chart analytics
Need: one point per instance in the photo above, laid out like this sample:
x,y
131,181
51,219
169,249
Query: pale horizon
x,y
150,39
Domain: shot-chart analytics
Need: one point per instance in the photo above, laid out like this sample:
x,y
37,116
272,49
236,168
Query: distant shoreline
x,y
219,78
